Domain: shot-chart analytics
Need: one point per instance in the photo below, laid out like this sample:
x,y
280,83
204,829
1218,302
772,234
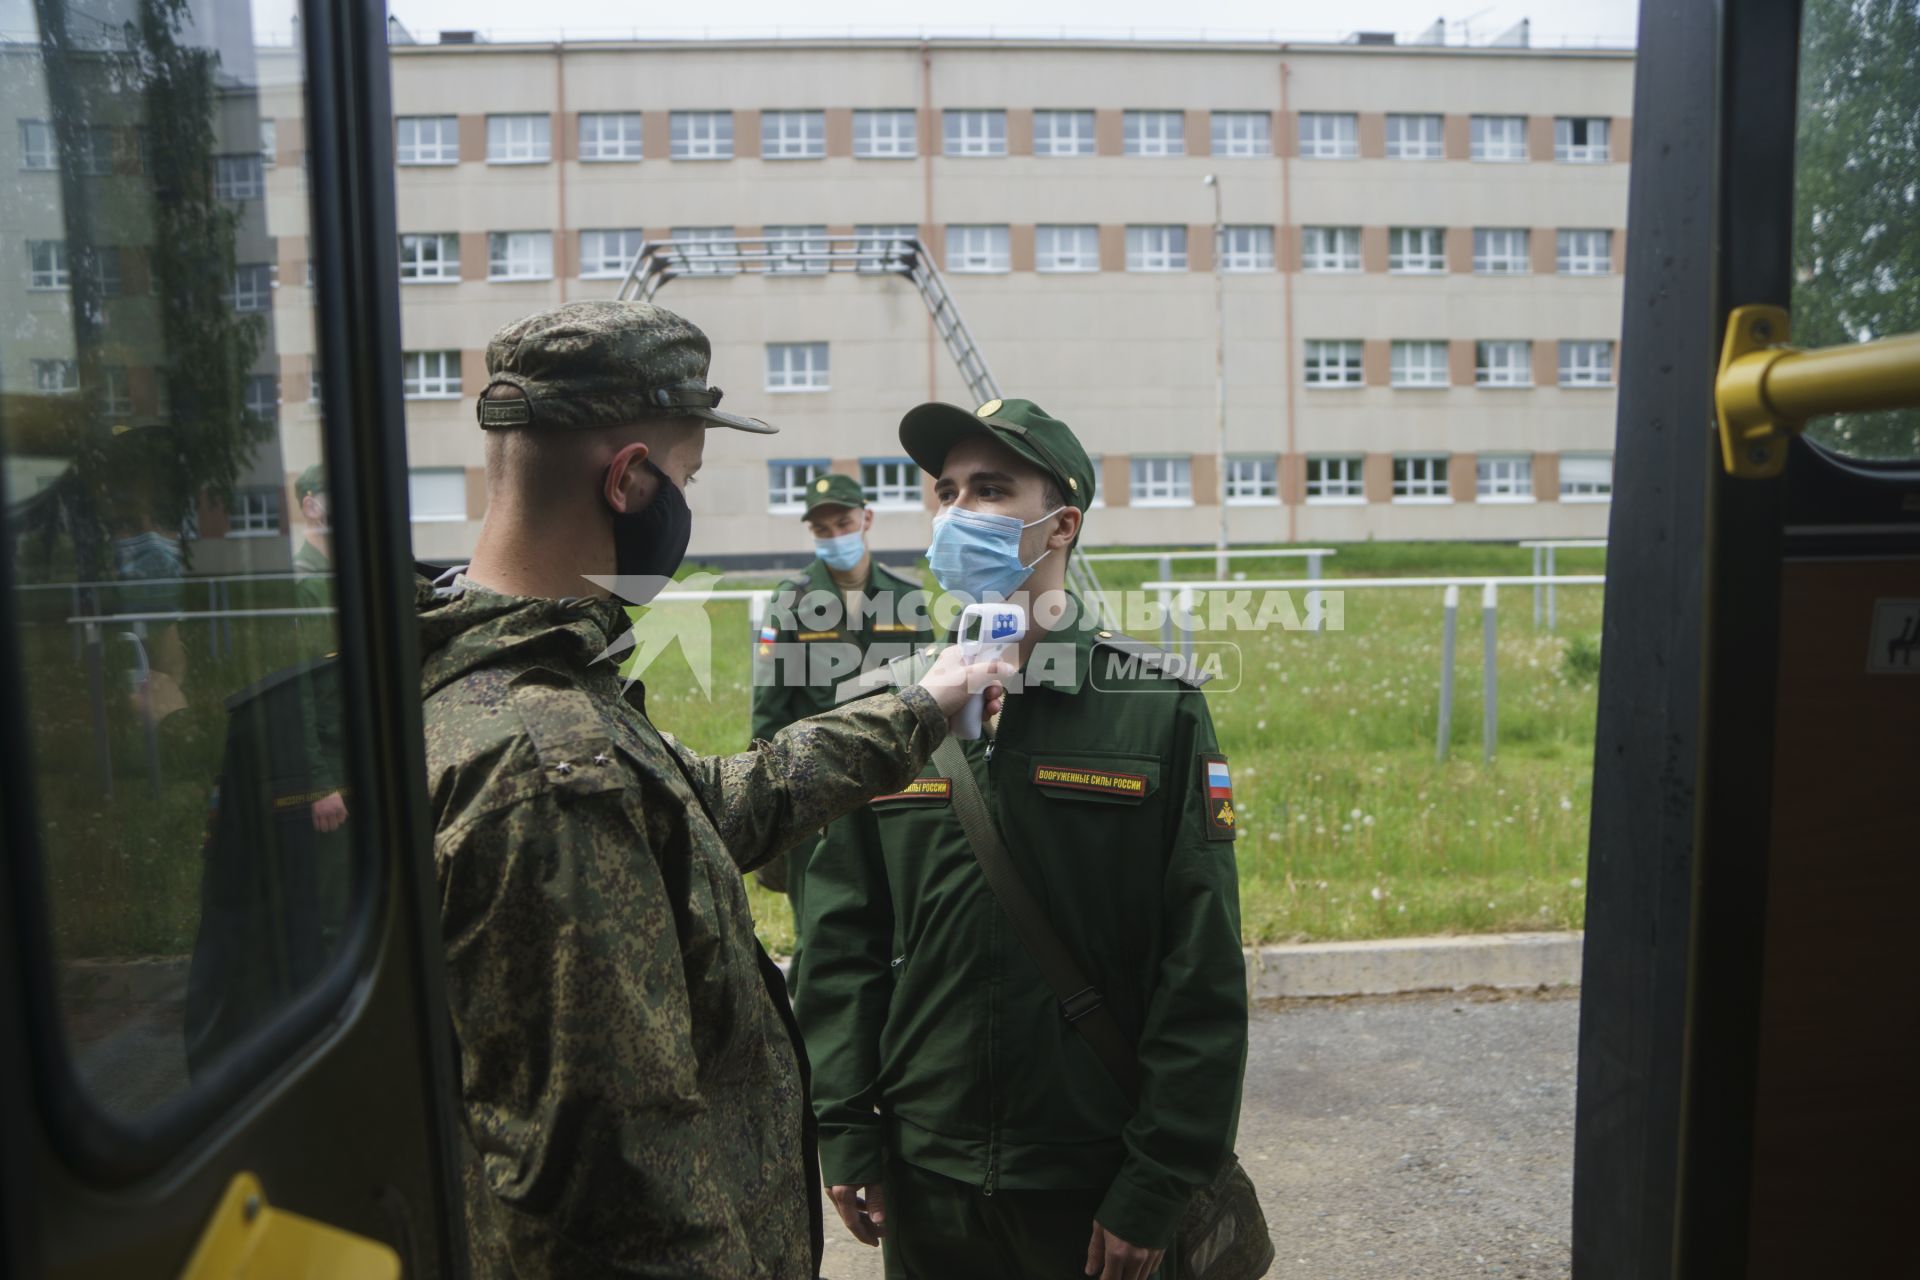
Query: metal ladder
x,y
659,262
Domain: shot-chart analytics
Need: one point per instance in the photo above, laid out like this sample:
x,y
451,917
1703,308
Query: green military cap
x,y
930,430
602,364
835,490
313,480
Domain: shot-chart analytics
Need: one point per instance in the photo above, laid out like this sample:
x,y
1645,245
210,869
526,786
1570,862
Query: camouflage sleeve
x,y
778,792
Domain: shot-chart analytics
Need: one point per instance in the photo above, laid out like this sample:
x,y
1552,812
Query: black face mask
x,y
649,544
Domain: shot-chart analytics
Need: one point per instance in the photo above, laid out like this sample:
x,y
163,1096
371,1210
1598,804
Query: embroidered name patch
x,y
922,789
1132,786
818,635
1216,786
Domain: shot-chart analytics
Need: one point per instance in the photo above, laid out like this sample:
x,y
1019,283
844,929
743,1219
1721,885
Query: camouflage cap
x,y
929,431
602,364
313,480
834,490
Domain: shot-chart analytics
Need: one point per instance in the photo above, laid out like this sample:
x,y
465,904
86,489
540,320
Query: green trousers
x,y
940,1229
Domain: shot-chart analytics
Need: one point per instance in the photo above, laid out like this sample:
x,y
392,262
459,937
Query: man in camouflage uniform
x,y
631,1083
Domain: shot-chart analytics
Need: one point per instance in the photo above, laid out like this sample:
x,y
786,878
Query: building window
x,y
1417,251
1162,482
1503,477
1157,248
1330,249
1336,479
47,266
786,246
238,177
608,254
885,135
1586,477
977,248
890,484
269,143
521,139
1333,364
434,255
1499,138
793,135
313,384
610,135
437,494
55,377
1329,135
254,513
105,269
1253,481
1419,364
797,366
1063,133
788,481
1246,249
976,133
700,135
96,151
262,397
1500,251
694,248
1073,248
1584,253
428,140
36,145
253,287
112,397
1242,134
430,375
1154,133
519,255
1503,364
1420,477
1581,140
884,246
1586,364
1411,137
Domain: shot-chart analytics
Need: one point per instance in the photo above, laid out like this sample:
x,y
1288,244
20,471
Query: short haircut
x,y
540,469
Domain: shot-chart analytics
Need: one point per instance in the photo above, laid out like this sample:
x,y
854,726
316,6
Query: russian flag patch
x,y
1216,790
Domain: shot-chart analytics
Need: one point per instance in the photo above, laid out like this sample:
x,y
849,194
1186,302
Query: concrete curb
x,y
1395,965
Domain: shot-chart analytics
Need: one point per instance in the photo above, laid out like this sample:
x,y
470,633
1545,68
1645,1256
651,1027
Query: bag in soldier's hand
x,y
1223,1235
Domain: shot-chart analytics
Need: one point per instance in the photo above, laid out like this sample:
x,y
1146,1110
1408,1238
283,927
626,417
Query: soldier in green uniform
x,y
964,1123
846,614
313,589
633,1094
313,558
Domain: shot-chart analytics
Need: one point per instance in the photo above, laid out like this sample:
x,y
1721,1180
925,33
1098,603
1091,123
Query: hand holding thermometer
x,y
997,631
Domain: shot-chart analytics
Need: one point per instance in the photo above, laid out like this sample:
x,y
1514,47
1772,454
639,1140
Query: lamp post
x,y
1219,373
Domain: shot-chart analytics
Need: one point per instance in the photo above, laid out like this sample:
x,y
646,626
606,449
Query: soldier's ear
x,y
1066,527
628,484
867,524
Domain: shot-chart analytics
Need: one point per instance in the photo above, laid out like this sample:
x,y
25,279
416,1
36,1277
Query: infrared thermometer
x,y
987,633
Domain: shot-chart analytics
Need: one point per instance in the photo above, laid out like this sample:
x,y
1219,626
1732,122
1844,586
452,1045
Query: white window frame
x,y
1503,362
886,135
430,375
48,267
1503,477
1153,133
1066,248
798,367
1330,249
38,150
885,241
96,153
1067,132
520,138
1334,364
1161,480
890,484
973,133
269,142
687,257
788,480
1245,247
1586,363
1577,488
1241,135
1583,251
261,398
253,286
793,135
979,248
415,147
1342,480
440,484
1329,135
255,512
1502,251
239,177
1417,251
1422,478
519,255
607,253
1594,148
114,397
1416,136
1420,364
1157,247
54,377
439,266
700,135
611,137
107,267
804,239
1253,480
1497,139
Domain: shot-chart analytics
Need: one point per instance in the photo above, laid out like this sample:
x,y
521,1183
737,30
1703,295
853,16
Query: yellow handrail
x,y
1767,390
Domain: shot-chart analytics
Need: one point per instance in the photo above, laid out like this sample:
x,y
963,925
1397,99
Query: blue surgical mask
x,y
842,552
977,554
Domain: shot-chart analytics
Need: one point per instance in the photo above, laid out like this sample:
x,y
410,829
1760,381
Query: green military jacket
x,y
633,1098
932,1034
